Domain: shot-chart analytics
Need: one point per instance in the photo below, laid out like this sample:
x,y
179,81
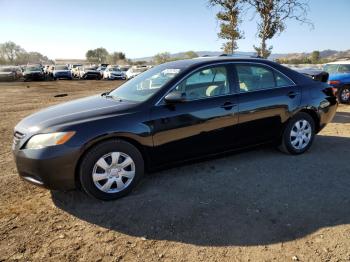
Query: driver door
x,y
200,125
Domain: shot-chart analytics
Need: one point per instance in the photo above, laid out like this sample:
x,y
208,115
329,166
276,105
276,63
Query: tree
x,y
273,15
115,57
9,51
190,54
98,55
162,58
229,22
315,57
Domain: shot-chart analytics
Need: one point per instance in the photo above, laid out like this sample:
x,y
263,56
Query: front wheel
x,y
344,95
298,135
111,169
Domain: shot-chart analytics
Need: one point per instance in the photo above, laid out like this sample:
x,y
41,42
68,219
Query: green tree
x,y
9,51
190,54
98,55
115,57
162,58
229,22
315,57
273,15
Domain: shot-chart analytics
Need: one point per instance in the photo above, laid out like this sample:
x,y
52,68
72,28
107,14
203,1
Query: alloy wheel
x,y
345,94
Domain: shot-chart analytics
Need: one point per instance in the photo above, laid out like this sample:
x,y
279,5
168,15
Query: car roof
x,y
212,59
344,62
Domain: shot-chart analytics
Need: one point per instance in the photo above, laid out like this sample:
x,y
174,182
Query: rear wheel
x,y
298,135
344,95
111,169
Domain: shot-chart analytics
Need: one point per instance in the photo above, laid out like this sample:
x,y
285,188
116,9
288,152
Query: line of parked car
x,y
38,72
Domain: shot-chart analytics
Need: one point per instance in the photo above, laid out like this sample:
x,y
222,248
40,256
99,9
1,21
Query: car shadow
x,y
341,117
252,198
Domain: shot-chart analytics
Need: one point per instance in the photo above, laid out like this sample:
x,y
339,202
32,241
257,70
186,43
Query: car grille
x,y
17,136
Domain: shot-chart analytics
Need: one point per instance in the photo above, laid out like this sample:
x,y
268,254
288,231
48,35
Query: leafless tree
x,y
273,15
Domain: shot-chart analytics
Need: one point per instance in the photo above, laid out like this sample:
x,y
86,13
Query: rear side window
x,y
255,77
344,68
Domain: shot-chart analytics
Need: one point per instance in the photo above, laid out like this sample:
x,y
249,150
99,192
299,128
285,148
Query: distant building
x,y
70,61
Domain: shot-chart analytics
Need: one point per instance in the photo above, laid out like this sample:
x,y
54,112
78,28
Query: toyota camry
x,y
174,112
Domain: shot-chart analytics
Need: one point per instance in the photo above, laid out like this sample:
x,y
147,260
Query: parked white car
x,y
135,71
112,73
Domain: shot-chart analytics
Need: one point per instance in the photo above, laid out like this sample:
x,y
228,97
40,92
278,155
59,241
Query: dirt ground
x,y
258,205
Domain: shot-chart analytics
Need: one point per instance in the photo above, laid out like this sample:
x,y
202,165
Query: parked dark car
x,y
172,113
33,73
62,72
10,73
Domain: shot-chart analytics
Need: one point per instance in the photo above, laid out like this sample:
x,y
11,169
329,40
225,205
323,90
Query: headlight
x,y
51,139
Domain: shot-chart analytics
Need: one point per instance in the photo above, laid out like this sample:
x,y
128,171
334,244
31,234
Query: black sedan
x,y
33,73
174,112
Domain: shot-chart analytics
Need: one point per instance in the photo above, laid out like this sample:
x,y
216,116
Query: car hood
x,y
5,73
81,110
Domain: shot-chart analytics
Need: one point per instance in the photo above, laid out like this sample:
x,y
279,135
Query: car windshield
x,y
89,68
6,69
330,68
59,67
75,66
145,85
33,68
114,69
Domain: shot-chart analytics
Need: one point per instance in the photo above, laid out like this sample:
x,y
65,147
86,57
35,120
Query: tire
x,y
302,138
344,95
129,175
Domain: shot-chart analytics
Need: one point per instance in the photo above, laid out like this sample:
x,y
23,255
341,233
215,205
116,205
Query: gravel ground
x,y
257,205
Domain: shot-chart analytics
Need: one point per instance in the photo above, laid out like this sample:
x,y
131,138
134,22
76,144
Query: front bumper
x,y
51,167
34,77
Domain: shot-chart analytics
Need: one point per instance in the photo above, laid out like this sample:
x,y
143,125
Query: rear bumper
x,y
52,168
327,113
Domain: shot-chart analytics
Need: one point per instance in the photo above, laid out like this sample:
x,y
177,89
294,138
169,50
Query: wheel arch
x,y
315,116
89,145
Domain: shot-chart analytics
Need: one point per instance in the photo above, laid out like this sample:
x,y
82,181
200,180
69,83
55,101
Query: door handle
x,y
292,94
228,105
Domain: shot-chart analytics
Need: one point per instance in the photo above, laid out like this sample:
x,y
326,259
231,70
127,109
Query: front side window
x,y
255,77
209,82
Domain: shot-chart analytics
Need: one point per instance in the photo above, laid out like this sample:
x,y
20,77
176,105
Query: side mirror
x,y
175,97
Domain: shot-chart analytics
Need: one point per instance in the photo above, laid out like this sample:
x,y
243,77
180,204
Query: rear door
x,y
267,99
203,123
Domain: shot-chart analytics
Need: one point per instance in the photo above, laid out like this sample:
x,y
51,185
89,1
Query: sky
x,y
141,28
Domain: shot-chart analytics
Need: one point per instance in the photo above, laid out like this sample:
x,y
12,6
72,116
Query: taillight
x,y
334,82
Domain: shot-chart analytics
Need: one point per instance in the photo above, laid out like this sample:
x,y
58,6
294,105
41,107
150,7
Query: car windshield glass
x,y
61,68
33,68
330,68
6,69
75,66
145,85
89,68
114,69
